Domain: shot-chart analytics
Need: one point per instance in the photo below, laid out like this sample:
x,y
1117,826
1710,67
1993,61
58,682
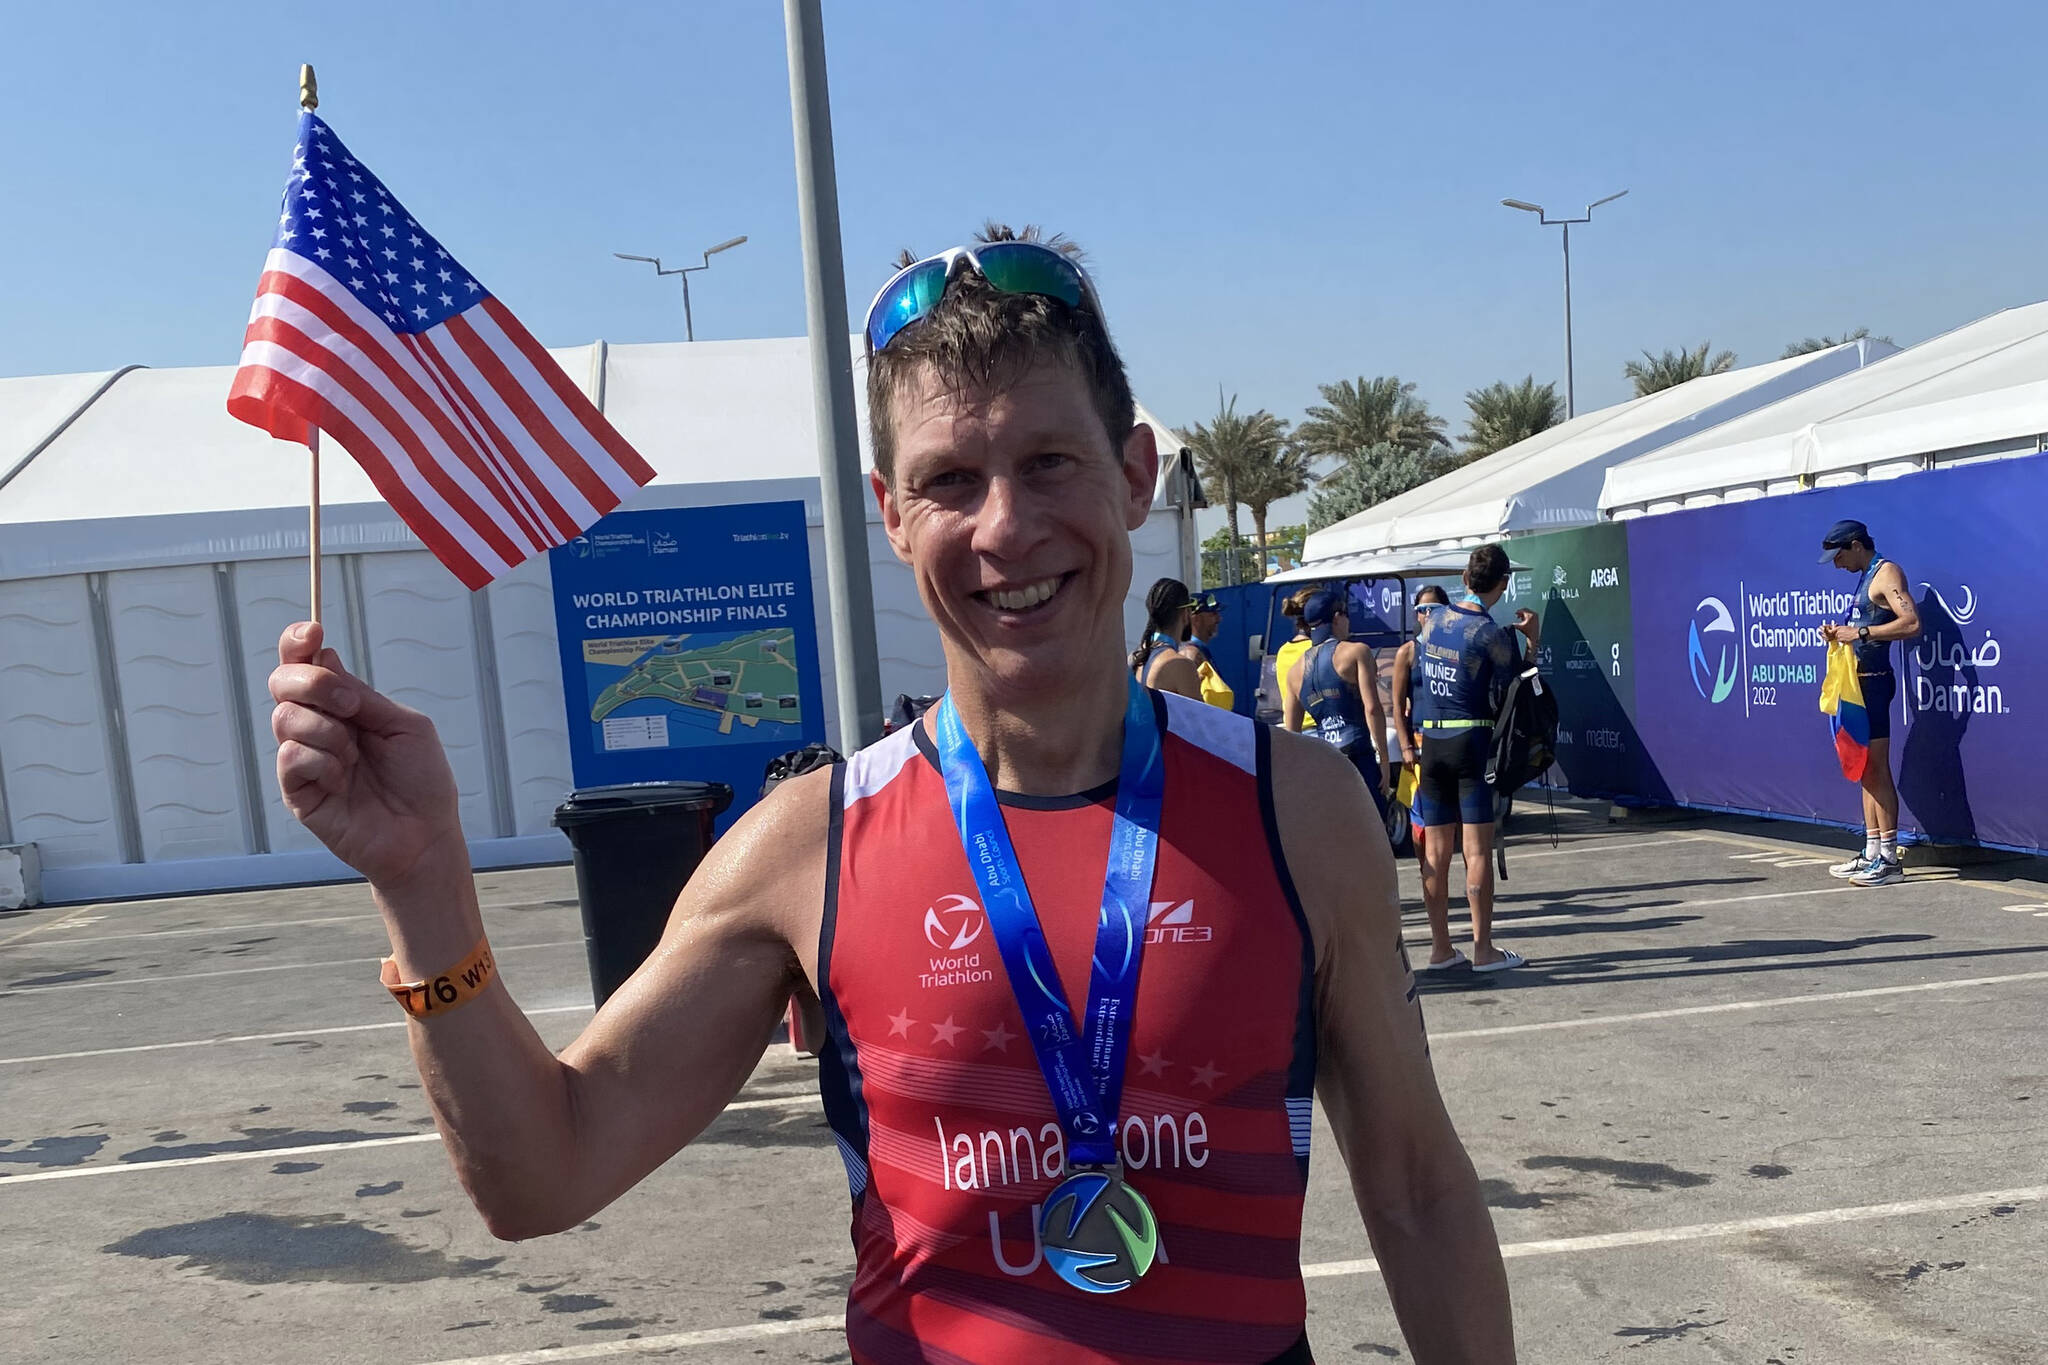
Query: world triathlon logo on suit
x,y
1712,620
953,925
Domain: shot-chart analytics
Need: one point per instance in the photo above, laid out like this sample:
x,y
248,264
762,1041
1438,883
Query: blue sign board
x,y
1728,603
689,645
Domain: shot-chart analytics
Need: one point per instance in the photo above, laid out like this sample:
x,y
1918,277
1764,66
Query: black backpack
x,y
796,763
1524,733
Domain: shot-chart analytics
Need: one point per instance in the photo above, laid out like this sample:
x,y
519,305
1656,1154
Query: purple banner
x,y
1728,602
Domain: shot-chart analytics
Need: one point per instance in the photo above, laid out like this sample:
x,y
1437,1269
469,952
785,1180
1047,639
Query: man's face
x,y
1853,558
1014,512
1205,623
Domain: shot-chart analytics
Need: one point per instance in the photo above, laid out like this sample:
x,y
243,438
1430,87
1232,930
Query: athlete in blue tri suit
x,y
1464,661
1882,612
1336,683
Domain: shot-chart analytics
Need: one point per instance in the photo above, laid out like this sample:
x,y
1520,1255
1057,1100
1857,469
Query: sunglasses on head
x,y
1011,267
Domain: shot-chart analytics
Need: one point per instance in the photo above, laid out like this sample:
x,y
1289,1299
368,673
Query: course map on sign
x,y
661,691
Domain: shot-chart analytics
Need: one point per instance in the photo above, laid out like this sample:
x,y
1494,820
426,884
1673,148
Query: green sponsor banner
x,y
1577,581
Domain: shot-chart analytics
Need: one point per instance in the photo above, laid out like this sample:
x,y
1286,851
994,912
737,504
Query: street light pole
x,y
689,324
856,668
1571,407
1571,397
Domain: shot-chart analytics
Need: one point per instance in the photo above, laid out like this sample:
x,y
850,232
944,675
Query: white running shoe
x,y
1883,872
1845,871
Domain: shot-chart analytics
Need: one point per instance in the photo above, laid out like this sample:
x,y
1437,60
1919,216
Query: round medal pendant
x,y
1098,1233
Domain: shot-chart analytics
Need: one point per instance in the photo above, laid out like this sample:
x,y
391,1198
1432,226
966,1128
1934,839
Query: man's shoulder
x,y
874,767
1224,734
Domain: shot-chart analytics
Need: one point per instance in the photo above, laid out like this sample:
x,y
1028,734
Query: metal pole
x,y
1571,408
689,327
856,674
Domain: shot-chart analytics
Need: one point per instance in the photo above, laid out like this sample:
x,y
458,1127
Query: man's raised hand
x,y
366,775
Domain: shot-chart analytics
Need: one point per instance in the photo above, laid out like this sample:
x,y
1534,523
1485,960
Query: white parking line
x,y
215,1159
805,1099
1732,1006
1600,844
247,1038
1608,1241
808,1098
251,971
371,917
1766,896
1553,1246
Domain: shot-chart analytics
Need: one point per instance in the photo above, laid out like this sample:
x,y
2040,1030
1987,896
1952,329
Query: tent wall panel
x,y
270,594
60,789
175,697
417,621
530,695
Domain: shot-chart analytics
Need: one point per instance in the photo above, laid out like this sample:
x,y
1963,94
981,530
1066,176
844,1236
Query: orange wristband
x,y
457,986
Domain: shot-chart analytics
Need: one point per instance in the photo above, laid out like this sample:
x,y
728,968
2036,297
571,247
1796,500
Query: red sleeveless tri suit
x,y
942,1116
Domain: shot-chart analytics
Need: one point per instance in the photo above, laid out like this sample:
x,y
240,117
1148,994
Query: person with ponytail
x,y
1157,661
1289,654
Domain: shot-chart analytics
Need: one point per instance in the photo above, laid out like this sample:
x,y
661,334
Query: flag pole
x,y
309,99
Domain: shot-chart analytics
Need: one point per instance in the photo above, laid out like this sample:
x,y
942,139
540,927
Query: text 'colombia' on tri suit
x,y
1464,661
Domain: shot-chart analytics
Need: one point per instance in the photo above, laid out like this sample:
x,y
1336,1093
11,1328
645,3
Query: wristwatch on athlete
x,y
1863,634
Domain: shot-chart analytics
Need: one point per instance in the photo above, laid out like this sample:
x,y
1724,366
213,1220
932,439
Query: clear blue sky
x,y
1272,195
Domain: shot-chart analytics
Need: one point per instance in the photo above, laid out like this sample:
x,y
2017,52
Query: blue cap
x,y
1322,607
1841,536
1206,601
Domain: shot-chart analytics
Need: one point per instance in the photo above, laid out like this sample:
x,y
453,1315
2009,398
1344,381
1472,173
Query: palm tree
x,y
1281,472
1505,413
1811,344
1368,478
1230,451
1369,412
1654,372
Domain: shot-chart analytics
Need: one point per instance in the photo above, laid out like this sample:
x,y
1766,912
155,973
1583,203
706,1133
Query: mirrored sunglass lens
x,y
907,300
1027,268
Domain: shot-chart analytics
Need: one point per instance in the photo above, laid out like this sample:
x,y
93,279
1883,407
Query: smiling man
x,y
1087,952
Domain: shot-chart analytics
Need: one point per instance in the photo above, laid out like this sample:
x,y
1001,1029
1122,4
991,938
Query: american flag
x,y
366,328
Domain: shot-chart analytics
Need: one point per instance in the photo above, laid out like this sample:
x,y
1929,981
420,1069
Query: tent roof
x,y
150,443
1552,480
1982,384
1431,563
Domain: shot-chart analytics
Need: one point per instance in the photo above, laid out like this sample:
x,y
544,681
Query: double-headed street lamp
x,y
1570,397
689,326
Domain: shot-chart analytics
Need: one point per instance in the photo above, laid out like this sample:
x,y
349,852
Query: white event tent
x,y
1552,480
1977,393
152,548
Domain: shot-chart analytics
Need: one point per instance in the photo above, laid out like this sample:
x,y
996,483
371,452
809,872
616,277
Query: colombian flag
x,y
1841,698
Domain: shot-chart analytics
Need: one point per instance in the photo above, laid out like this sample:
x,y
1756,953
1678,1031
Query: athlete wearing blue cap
x,y
1337,684
1463,663
1883,612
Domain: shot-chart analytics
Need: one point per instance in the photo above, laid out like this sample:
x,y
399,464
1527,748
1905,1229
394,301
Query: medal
x,y
1098,1233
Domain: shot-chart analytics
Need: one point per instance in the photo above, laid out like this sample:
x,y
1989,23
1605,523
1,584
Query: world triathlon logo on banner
x,y
1713,632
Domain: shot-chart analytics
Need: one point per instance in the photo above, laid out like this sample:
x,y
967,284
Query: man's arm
x,y
541,1142
1403,687
1414,1185
1365,676
1890,588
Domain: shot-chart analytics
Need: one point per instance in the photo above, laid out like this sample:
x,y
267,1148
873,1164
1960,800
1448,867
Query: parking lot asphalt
x,y
1732,1110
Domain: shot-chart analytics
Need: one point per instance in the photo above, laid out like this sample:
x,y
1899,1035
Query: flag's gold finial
x,y
309,88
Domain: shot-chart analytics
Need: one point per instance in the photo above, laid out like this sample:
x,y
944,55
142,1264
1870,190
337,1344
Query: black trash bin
x,y
635,845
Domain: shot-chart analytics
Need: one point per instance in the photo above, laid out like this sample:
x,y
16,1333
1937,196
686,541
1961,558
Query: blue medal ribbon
x,y
1083,1066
